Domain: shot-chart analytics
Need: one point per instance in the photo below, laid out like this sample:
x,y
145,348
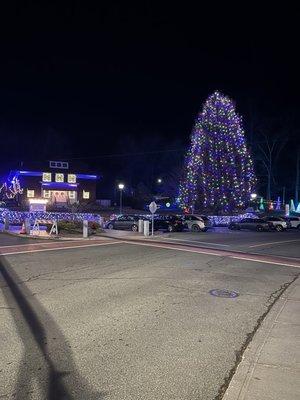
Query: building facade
x,y
56,182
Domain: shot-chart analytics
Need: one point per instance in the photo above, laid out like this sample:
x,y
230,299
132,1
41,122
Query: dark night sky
x,y
79,80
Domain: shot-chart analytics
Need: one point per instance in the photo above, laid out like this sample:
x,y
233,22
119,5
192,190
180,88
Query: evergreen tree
x,y
218,172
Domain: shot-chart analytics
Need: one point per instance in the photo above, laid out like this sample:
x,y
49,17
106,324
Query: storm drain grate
x,y
224,293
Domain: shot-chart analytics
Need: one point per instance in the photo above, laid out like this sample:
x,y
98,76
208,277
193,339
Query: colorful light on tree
x,y
218,170
12,190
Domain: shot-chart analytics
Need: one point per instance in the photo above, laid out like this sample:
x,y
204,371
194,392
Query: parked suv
x,y
195,223
250,223
277,223
293,222
127,222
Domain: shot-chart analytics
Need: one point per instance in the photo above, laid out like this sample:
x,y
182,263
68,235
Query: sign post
x,y
85,228
153,207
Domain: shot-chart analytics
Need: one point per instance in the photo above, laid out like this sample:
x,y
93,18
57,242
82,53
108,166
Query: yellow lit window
x,y
86,195
59,177
30,193
71,178
47,194
72,194
46,176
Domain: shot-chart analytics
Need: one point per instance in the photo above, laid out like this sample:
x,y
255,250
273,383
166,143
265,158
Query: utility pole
x,y
297,177
283,195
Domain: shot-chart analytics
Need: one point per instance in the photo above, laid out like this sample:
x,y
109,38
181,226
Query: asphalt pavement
x,y
129,321
285,244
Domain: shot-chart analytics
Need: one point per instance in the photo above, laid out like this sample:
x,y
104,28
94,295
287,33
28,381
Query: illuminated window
x,y
30,193
59,177
59,164
47,194
46,176
72,194
85,195
71,178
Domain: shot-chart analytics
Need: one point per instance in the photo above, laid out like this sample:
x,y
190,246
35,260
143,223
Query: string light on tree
x,y
12,190
218,171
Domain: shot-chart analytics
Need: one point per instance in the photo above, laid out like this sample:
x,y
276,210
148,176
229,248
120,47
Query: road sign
x,y
153,207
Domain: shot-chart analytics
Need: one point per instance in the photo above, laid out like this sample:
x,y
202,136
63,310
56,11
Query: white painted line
x,y
214,254
51,241
266,261
270,243
29,244
60,248
164,246
196,241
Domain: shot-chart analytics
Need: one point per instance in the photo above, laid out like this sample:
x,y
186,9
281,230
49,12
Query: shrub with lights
x,y
218,171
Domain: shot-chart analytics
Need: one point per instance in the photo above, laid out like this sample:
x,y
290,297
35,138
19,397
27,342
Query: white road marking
x,y
45,242
29,244
266,261
215,254
59,248
270,243
196,241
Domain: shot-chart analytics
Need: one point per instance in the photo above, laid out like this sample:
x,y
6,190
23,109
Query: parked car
x,y
127,222
293,222
170,223
277,223
196,223
250,223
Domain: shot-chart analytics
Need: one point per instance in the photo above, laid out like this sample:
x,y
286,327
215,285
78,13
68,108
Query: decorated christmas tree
x,y
218,172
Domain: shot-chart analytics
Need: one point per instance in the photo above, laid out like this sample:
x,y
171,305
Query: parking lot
x,y
285,244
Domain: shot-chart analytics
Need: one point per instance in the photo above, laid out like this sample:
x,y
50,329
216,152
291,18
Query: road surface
x,y
124,320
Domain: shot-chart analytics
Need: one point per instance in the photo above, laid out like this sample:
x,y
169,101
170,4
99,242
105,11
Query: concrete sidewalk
x,y
270,368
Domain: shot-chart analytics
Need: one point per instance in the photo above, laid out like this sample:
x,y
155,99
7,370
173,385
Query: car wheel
x,y
110,226
134,228
259,228
278,228
195,228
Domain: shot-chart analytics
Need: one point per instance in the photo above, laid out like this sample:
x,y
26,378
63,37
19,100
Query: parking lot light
x,y
121,187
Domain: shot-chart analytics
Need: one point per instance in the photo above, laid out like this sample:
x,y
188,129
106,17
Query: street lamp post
x,y
121,187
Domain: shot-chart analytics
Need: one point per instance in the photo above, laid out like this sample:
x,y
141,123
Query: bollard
x,y
85,228
101,222
146,228
27,226
141,226
6,223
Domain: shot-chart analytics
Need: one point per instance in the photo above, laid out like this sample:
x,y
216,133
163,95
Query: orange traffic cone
x,y
23,229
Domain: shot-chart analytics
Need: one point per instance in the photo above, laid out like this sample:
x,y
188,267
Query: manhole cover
x,y
223,293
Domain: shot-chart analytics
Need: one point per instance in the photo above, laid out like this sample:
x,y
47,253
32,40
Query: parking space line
x,y
196,241
271,243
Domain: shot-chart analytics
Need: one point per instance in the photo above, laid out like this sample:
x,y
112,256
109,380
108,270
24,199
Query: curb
x,y
25,236
240,381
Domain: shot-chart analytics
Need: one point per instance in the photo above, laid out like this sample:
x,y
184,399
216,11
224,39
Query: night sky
x,y
80,81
